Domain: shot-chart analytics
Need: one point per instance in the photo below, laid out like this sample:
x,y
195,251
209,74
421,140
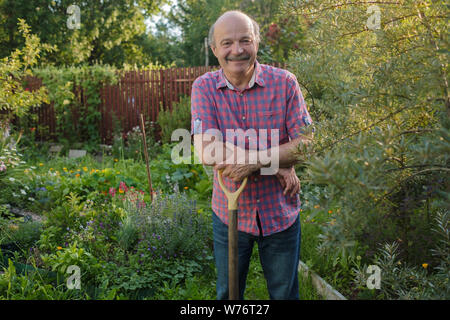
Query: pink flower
x,y
112,192
123,186
2,166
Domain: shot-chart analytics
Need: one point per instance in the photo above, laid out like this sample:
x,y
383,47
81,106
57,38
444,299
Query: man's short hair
x,y
211,40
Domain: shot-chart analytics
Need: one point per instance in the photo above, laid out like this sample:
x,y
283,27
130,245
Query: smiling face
x,y
235,45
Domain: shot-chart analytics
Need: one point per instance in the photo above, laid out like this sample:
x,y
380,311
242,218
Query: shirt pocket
x,y
274,122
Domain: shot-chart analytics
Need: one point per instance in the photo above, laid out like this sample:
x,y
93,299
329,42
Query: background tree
x,y
110,31
194,18
15,99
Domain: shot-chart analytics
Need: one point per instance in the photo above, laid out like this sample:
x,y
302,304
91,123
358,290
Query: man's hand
x,y
289,180
236,172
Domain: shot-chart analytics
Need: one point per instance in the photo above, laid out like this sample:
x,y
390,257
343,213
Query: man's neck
x,y
240,82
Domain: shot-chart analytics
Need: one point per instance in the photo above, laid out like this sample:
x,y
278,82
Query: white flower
x,y
31,199
12,179
23,192
14,195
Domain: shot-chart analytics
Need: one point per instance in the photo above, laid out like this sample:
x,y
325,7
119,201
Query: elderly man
x,y
252,97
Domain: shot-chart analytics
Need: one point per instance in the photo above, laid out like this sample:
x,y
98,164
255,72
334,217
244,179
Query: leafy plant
x,y
75,93
177,118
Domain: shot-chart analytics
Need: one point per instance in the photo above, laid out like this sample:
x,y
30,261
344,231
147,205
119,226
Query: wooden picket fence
x,y
137,92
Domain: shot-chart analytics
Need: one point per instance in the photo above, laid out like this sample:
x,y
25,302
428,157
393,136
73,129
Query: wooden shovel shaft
x,y
233,258
233,277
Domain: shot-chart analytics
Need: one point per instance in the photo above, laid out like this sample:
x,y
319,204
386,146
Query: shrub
x,y
177,118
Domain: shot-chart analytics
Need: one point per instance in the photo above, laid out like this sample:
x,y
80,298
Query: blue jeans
x,y
279,254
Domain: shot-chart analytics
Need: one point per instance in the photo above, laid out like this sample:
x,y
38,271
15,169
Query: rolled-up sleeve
x,y
297,115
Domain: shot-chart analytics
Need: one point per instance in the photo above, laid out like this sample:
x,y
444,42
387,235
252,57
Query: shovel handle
x,y
231,196
233,263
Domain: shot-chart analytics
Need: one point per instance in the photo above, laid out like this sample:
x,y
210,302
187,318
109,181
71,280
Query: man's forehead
x,y
234,28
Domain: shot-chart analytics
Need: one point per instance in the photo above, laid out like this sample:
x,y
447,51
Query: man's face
x,y
235,45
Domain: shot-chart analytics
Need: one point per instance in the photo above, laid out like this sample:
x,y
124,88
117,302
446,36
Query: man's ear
x,y
213,49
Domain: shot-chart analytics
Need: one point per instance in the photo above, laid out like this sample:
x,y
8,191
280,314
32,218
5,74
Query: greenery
x,y
110,32
75,93
380,101
15,100
177,118
375,181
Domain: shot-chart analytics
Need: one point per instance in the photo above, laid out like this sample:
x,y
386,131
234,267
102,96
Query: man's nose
x,y
237,49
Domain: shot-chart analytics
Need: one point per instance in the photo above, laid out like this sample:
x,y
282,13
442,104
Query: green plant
x,y
73,256
31,285
75,93
128,233
27,234
177,118
15,100
379,99
401,280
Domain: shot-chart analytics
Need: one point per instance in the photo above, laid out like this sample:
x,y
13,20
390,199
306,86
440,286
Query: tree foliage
x,y
380,98
14,99
110,31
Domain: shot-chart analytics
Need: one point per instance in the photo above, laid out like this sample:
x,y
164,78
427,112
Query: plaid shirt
x,y
271,100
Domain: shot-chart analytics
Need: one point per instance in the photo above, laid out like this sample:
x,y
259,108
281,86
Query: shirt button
x,y
256,179
257,200
241,94
243,118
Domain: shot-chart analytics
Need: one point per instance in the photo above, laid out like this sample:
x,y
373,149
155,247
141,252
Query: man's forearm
x,y
213,152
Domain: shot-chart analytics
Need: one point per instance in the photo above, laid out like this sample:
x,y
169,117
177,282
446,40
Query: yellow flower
x,y
77,175
115,160
59,248
120,190
330,211
65,169
71,171
85,169
41,164
316,206
117,172
425,265
26,170
185,188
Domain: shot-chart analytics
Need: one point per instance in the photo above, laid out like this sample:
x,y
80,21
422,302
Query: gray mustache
x,y
239,58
